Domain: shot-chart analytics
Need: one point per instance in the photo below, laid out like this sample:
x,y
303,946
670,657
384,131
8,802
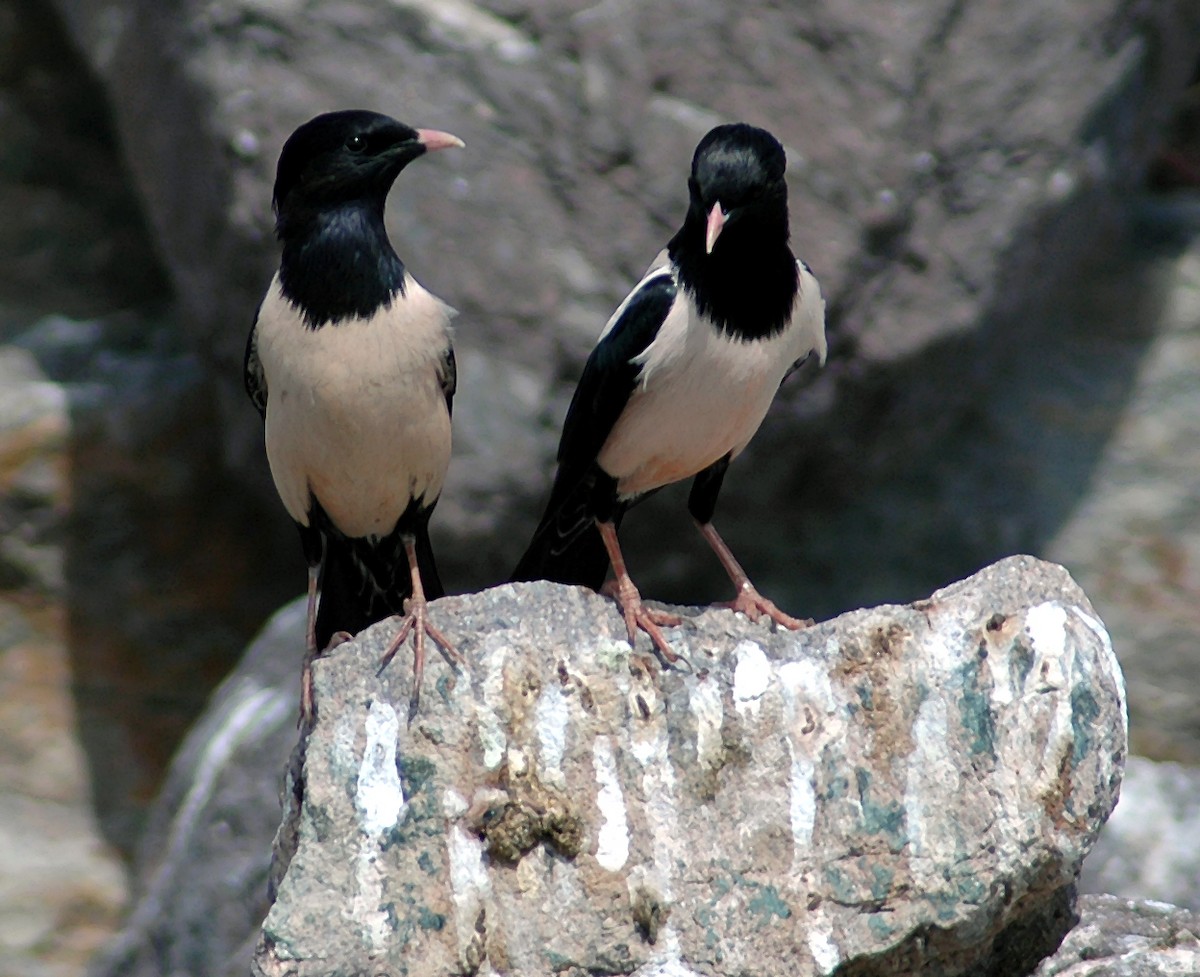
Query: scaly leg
x,y
307,710
748,600
637,615
416,620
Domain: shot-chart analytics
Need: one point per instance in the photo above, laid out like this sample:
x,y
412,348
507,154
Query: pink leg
x,y
417,621
748,600
637,615
307,709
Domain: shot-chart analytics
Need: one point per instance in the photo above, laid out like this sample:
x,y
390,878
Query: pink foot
x,y
416,620
754,605
640,617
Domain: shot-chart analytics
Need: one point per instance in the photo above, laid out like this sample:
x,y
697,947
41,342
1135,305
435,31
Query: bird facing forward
x,y
350,364
682,376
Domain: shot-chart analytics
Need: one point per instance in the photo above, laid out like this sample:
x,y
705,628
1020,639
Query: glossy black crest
x,y
748,285
333,179
342,156
738,165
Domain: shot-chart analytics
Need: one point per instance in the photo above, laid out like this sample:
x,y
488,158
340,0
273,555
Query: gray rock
x,y
1148,849
1124,938
901,789
952,171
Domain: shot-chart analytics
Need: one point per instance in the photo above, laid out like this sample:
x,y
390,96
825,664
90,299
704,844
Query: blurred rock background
x,y
1000,201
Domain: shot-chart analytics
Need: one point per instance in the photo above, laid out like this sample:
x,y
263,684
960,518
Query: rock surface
x,y
902,789
1122,938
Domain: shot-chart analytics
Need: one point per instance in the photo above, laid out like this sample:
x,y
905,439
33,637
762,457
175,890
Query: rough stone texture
x,y
201,870
900,790
1123,938
1148,849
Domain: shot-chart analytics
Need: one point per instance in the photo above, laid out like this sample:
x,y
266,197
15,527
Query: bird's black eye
x,y
356,143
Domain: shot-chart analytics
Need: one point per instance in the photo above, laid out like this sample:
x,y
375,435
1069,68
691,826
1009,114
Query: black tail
x,y
566,547
364,581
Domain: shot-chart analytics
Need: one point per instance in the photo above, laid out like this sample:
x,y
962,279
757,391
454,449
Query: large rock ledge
x,y
900,790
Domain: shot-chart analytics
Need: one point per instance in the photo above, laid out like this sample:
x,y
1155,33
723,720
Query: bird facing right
x,y
350,364
682,376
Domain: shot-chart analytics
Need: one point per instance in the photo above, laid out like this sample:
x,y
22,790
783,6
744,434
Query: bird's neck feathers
x,y
339,263
748,285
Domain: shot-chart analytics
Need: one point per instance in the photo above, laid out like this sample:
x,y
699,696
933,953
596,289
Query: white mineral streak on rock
x,y
751,677
454,805
469,883
808,700
612,849
1047,626
704,696
649,745
379,802
488,707
552,718
931,774
1052,670
931,768
821,944
518,763
667,960
379,796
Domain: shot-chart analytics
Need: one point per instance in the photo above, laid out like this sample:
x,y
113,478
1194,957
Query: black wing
x,y
252,372
608,380
566,547
449,378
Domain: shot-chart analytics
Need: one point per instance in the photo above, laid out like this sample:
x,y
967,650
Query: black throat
x,y
338,263
748,285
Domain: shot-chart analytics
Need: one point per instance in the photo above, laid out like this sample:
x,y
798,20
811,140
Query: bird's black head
x,y
739,170
331,184
732,250
344,157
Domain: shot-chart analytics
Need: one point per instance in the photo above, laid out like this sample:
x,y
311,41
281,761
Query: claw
x,y
748,600
416,621
754,605
639,617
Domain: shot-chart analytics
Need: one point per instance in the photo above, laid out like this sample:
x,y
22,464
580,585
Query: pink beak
x,y
716,221
434,139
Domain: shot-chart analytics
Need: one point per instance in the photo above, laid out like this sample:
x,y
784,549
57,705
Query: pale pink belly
x,y
663,438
